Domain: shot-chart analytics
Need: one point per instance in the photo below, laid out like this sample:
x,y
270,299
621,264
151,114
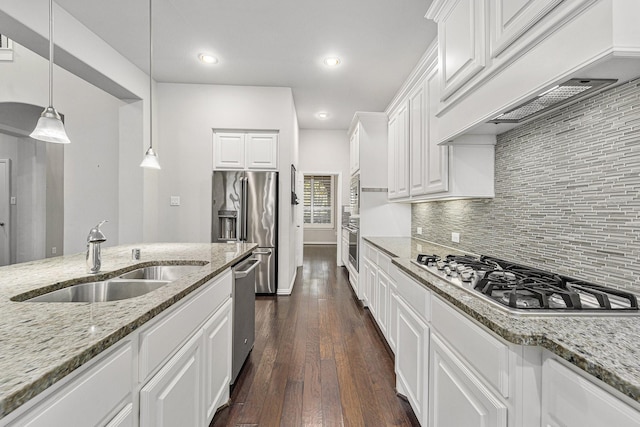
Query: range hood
x,y
558,96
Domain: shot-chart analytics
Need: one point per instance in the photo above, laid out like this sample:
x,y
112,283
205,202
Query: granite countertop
x,y
41,343
604,346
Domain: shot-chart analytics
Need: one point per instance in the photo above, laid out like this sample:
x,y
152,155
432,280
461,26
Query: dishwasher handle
x,y
251,262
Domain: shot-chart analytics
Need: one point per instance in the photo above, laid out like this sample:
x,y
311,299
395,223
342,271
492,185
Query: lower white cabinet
x,y
124,418
569,399
392,328
382,301
173,396
176,369
412,352
457,396
217,334
92,398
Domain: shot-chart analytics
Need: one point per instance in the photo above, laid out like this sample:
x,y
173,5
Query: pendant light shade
x,y
50,127
150,160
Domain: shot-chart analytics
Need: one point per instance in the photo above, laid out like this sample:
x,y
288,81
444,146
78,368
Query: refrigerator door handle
x,y
262,252
243,231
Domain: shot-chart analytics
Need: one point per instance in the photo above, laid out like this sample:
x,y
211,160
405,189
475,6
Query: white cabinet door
x,y
402,153
173,397
412,352
261,151
382,302
228,150
217,359
461,42
418,132
457,397
392,329
124,418
354,150
392,130
90,398
571,400
436,174
372,273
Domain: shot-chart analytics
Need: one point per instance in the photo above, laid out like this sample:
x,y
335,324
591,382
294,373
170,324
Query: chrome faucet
x,y
94,258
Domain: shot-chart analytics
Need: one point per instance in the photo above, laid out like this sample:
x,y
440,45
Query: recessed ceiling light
x,y
208,59
332,61
322,115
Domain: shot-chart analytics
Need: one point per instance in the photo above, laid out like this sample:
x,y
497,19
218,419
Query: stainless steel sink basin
x,y
161,272
108,290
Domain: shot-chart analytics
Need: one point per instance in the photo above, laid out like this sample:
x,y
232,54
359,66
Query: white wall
x,y
326,151
91,160
187,115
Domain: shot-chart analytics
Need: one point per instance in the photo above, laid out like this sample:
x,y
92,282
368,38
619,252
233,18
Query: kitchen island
x,y
604,347
42,343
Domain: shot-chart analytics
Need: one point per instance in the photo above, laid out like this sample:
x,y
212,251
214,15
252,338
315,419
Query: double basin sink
x,y
128,285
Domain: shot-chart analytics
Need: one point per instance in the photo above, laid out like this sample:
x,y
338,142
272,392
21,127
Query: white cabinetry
x,y
217,334
490,53
457,396
176,369
174,395
345,248
354,150
377,291
399,153
245,150
92,398
419,168
461,39
569,399
412,350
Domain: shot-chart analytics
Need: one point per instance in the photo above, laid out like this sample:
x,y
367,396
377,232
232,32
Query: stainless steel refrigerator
x,y
245,208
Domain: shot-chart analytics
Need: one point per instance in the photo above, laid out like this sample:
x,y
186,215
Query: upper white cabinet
x,y
354,150
495,55
461,39
398,186
420,168
245,150
367,140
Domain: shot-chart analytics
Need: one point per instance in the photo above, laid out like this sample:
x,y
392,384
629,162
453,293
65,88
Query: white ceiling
x,y
274,43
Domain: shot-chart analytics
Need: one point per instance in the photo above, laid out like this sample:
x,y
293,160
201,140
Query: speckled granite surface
x,y
40,343
605,347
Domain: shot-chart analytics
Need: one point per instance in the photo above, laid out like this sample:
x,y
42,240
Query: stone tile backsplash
x,y
567,194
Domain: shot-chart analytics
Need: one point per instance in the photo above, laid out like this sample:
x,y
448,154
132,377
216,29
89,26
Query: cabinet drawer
x,y
371,253
87,400
384,262
414,295
160,340
489,356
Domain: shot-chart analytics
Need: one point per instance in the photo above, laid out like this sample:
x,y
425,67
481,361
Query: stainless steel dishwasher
x,y
244,313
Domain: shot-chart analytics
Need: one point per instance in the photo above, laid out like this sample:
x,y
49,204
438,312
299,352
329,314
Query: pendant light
x,y
50,127
150,160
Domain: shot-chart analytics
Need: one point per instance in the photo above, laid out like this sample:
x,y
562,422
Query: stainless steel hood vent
x,y
560,95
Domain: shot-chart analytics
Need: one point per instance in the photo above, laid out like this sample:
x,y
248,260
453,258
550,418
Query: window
x,y
318,201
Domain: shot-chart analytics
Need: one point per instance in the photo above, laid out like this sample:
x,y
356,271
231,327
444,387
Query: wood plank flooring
x,y
318,359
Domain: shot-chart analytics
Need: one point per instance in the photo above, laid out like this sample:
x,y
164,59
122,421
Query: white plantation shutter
x,y
318,201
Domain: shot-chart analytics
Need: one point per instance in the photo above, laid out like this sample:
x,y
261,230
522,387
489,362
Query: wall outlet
x,y
13,200
455,237
175,201
54,250
419,247
419,230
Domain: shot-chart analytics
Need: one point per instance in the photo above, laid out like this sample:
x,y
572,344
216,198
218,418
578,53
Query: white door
x,y
5,195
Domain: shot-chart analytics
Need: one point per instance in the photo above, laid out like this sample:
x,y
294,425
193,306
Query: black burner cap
x,y
426,259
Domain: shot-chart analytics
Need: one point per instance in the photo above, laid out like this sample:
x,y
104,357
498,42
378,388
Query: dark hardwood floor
x,y
318,359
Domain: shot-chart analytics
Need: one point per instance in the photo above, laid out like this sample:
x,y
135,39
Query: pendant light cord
x,y
50,53
150,75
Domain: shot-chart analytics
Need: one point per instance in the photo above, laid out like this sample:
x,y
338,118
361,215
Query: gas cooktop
x,y
526,290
